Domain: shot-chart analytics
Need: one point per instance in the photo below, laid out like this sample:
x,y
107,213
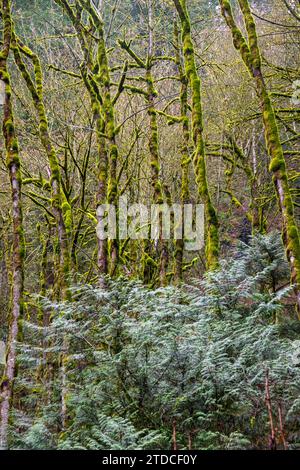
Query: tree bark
x,y
185,156
13,165
212,224
61,206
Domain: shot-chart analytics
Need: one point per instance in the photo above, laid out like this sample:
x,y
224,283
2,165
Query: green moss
x,y
63,212
149,261
155,165
9,126
46,184
252,60
191,264
293,232
212,242
277,164
67,212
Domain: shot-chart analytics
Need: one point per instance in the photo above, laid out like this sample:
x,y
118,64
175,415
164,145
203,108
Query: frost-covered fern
x,y
140,364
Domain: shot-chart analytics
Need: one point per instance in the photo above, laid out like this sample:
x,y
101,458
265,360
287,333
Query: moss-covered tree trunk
x,y
96,76
211,219
103,79
154,264
158,196
102,259
13,165
103,160
250,53
185,156
60,205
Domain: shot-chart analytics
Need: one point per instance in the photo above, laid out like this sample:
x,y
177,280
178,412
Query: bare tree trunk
x,y
272,442
174,435
281,424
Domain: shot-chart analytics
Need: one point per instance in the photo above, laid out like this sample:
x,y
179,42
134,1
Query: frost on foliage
x,y
138,360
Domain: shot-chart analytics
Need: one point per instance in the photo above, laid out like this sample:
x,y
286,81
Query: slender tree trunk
x,y
102,79
96,76
212,225
101,196
110,131
272,441
256,219
185,156
103,160
158,196
174,435
61,207
13,165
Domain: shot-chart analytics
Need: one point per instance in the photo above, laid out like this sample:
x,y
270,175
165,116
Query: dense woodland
x,y
143,344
